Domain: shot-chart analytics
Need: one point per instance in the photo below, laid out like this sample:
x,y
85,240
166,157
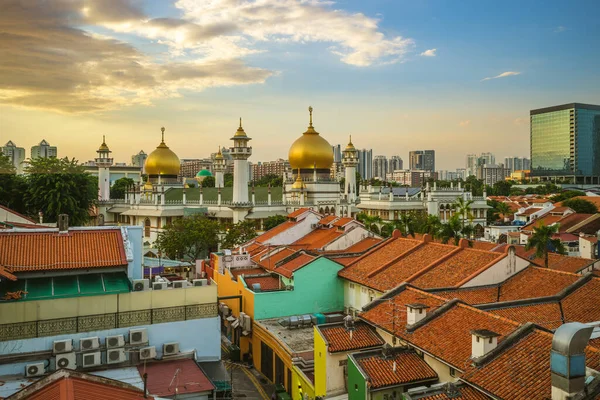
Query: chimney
x,y
63,223
483,341
415,312
567,359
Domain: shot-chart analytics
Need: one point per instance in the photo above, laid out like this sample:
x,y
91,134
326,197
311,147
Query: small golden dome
x,y
350,145
311,150
298,184
163,161
148,186
240,133
219,155
103,146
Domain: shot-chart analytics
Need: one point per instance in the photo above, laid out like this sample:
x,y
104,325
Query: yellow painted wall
x,y
320,349
25,311
299,379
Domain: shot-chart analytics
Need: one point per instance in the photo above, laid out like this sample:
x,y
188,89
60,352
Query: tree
x,y
274,220
581,206
501,188
463,209
189,237
451,230
117,191
503,209
567,194
474,185
371,222
6,165
272,180
208,182
239,233
542,241
60,186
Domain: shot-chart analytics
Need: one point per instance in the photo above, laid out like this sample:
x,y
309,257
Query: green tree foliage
x,y
60,186
474,185
371,222
6,165
463,209
238,234
581,206
271,179
189,237
501,188
542,241
272,221
209,182
451,230
117,191
567,194
228,180
12,186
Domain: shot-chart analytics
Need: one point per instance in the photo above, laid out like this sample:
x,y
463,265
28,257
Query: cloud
x,y
429,53
50,62
521,121
464,123
502,75
560,29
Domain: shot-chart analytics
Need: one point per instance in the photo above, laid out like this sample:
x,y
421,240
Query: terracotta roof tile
x,y
268,260
409,368
465,393
235,272
327,220
338,338
343,221
298,212
41,251
317,238
582,305
6,274
472,295
191,379
555,261
363,245
271,233
546,315
345,261
288,268
265,282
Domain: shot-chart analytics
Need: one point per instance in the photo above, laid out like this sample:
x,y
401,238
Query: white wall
x,y
336,380
356,296
8,216
499,272
294,233
348,239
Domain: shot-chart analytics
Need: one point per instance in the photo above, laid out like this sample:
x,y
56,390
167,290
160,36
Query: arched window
x,y
147,227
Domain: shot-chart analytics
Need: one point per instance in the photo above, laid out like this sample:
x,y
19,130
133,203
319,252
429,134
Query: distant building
x,y
277,167
337,153
43,150
394,163
380,164
365,163
486,158
422,160
516,163
565,142
139,159
470,164
492,173
412,178
191,167
337,171
16,155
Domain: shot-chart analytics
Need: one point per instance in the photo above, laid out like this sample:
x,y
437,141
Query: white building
x,y
43,150
16,155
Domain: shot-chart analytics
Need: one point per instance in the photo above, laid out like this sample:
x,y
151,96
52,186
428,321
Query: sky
x,y
454,76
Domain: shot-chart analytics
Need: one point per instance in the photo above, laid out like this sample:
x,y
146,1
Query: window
x,y
356,387
452,372
352,286
147,227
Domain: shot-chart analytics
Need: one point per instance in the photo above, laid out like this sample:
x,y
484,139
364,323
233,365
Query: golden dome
x,y
350,145
311,150
219,155
298,184
162,161
103,146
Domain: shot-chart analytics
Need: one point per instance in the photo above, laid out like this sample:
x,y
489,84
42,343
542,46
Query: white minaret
x,y
350,161
219,169
240,153
103,162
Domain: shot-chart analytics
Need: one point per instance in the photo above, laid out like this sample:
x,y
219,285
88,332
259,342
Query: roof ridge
x,y
507,320
484,268
432,265
520,333
589,219
555,271
433,315
394,260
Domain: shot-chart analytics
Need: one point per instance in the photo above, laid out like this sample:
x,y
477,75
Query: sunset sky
x,y
453,76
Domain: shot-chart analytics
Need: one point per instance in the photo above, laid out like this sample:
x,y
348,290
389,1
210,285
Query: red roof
x,y
409,368
268,261
288,268
338,337
464,393
40,251
546,315
343,221
582,305
317,238
363,245
555,261
271,233
163,382
265,282
298,212
327,220
235,272
6,274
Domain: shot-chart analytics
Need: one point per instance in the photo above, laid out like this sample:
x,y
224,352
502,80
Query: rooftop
x,y
339,339
267,283
298,340
169,378
317,238
448,391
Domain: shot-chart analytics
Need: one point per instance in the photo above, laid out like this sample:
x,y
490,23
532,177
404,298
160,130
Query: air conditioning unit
x,y
91,359
62,346
139,285
115,341
159,285
147,353
138,336
66,360
115,356
36,369
170,349
246,323
180,284
200,282
90,343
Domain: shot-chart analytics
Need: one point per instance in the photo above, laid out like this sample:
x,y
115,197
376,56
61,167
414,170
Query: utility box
x,y
234,352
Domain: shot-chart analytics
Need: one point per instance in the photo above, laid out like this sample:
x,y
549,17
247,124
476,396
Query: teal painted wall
x,y
357,385
317,288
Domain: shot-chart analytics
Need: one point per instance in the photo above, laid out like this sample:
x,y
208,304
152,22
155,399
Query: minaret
x,y
350,161
219,169
103,162
240,153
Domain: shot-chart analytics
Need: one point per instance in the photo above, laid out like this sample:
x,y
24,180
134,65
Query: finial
x,y
310,109
350,139
162,131
240,122
103,139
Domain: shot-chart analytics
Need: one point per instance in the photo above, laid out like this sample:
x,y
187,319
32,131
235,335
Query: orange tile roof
x,y
529,211
555,261
456,269
343,221
477,295
582,305
271,233
265,282
43,251
592,199
317,238
338,338
298,212
268,261
288,268
464,393
6,274
345,261
327,220
522,371
546,315
191,379
235,272
409,368
363,245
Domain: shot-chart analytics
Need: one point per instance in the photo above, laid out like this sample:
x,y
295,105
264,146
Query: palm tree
x,y
406,224
451,230
371,222
463,209
503,209
542,241
431,225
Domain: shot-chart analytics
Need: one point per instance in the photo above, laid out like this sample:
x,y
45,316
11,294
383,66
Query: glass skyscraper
x,y
565,140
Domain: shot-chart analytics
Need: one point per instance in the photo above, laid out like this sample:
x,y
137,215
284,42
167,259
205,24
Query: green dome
x,y
203,173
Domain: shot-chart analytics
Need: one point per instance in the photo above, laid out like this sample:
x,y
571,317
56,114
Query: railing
x,y
91,323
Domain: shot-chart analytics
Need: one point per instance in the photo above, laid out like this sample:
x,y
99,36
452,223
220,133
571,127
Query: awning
x,y
264,214
155,213
117,210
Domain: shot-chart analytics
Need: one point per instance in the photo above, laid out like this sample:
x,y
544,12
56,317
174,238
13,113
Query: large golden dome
x,y
311,150
162,161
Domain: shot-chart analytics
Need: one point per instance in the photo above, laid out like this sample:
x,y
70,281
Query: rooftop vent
x,y
63,223
483,341
415,312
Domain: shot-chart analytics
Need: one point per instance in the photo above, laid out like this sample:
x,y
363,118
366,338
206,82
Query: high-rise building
x,y
337,153
394,163
414,178
486,158
16,155
471,164
365,163
139,160
43,150
516,163
277,167
380,164
422,160
492,173
565,142
191,167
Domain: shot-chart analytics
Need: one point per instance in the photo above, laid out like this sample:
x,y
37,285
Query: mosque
x,y
162,197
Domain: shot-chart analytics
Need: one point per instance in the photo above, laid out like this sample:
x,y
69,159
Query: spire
x,y
162,131
241,123
310,110
350,143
